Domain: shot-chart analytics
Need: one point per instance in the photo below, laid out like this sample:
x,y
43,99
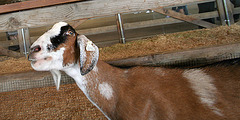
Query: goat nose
x,y
36,48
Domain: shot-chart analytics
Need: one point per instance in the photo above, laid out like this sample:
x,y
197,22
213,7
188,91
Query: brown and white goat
x,y
138,93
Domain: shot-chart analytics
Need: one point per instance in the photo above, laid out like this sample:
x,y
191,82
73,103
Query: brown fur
x,y
156,93
71,53
145,93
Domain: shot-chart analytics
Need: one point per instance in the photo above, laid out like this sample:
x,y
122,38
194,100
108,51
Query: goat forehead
x,y
56,29
54,32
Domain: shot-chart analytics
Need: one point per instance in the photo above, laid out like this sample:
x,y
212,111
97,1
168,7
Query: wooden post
x,y
221,12
9,53
24,41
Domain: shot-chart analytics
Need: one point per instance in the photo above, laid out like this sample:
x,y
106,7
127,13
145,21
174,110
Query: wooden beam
x,y
128,26
6,52
166,21
77,23
186,18
26,5
236,10
142,24
7,43
194,57
80,10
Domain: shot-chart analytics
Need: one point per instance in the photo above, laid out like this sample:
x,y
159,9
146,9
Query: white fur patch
x,y
90,46
106,90
95,69
203,86
159,71
56,29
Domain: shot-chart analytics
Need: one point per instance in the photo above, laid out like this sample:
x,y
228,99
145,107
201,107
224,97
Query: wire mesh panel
x,y
27,83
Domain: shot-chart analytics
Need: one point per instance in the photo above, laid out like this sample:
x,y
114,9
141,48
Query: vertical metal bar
x,y
120,28
226,13
24,42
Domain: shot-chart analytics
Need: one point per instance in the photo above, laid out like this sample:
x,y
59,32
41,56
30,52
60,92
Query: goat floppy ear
x,y
89,54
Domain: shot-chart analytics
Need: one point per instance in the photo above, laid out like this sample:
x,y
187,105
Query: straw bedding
x,y
48,103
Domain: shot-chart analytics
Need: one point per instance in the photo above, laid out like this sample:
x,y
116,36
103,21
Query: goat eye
x,y
69,32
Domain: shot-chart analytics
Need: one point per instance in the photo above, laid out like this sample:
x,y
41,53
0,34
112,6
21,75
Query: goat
x,y
138,93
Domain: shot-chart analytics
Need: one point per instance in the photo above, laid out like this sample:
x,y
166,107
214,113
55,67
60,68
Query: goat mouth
x,y
33,61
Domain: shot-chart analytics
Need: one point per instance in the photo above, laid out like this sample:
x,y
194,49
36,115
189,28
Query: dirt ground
x,y
158,44
49,104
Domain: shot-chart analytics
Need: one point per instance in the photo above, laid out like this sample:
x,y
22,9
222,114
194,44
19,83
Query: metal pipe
x,y
24,43
226,12
120,28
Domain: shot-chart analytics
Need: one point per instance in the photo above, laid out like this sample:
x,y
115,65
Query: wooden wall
x,y
40,13
80,10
